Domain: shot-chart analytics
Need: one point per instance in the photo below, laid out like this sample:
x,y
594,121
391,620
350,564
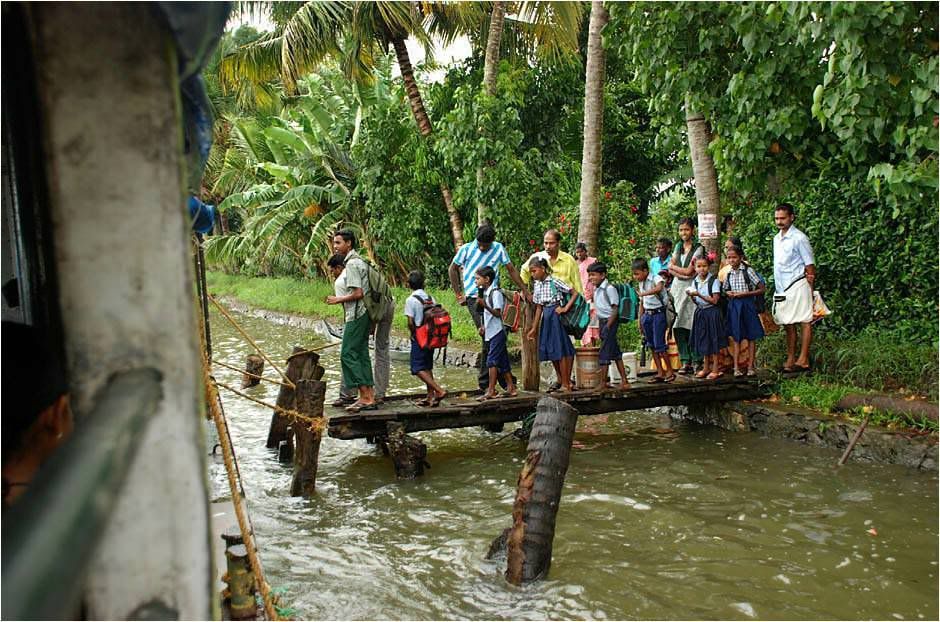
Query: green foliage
x,y
876,265
814,394
787,86
874,359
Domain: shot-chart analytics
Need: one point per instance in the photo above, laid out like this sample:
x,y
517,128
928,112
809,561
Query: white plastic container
x,y
629,366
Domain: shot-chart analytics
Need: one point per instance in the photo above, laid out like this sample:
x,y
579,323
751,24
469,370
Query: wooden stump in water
x,y
301,365
538,492
408,454
254,366
530,351
285,449
308,401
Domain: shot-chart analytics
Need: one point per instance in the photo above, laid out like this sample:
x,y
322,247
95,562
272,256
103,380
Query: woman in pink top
x,y
581,254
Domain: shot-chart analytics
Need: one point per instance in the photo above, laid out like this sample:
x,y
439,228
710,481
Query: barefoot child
x,y
742,286
422,359
554,343
492,301
652,316
708,331
607,302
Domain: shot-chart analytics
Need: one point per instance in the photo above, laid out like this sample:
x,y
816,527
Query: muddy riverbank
x,y
915,451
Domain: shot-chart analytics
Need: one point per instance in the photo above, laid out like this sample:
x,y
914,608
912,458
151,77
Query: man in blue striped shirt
x,y
484,251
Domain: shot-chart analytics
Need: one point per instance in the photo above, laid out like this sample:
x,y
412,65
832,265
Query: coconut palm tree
x,y
354,33
593,128
548,30
706,181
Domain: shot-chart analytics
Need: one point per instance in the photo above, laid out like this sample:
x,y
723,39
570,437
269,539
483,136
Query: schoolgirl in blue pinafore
x,y
743,322
554,343
708,329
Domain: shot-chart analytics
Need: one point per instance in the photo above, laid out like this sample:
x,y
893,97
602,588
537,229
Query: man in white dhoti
x,y
794,279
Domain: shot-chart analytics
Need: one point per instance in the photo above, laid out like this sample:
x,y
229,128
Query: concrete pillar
x,y
112,138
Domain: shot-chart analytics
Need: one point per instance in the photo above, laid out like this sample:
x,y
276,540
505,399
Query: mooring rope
x,y
228,317
316,424
251,375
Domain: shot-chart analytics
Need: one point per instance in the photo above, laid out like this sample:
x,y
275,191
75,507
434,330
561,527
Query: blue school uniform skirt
x,y
743,322
498,355
708,331
421,358
654,329
554,343
610,349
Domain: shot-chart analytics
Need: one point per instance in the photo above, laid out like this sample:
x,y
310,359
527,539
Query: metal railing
x,y
50,534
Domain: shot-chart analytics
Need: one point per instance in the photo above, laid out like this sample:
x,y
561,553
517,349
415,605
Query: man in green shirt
x,y
354,352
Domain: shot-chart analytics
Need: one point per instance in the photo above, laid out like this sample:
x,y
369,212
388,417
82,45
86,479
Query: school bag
x,y
435,328
576,320
379,298
722,296
629,305
512,306
759,301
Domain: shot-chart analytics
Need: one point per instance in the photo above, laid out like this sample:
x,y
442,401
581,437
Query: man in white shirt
x,y
794,280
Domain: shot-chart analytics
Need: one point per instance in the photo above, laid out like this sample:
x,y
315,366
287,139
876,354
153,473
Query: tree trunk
x,y
538,493
706,181
490,71
425,127
591,157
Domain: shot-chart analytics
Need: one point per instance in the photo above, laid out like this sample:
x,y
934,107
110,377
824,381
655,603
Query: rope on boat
x,y
244,524
214,403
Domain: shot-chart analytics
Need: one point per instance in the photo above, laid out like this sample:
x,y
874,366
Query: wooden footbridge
x,y
462,410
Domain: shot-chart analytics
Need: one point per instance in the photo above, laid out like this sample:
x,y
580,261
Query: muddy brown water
x,y
694,523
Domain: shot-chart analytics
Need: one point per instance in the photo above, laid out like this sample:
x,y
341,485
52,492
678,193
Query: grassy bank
x,y
307,297
871,361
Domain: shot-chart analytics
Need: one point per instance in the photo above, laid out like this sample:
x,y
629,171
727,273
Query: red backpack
x,y
435,328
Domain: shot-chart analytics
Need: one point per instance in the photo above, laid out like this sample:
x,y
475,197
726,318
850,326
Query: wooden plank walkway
x,y
460,409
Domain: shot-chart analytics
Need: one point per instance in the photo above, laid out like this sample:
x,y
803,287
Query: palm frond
x,y
309,36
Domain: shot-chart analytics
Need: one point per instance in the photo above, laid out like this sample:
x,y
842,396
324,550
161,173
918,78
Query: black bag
x,y
759,301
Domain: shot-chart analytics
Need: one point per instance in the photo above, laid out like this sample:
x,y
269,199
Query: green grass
x,y
307,297
819,395
873,360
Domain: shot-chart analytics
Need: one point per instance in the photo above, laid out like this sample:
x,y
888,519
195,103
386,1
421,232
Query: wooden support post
x,y
530,351
285,449
301,365
538,493
308,401
408,453
254,367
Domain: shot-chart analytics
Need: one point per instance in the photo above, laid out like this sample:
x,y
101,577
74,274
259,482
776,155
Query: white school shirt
x,y
792,253
414,308
654,301
493,325
607,301
702,287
